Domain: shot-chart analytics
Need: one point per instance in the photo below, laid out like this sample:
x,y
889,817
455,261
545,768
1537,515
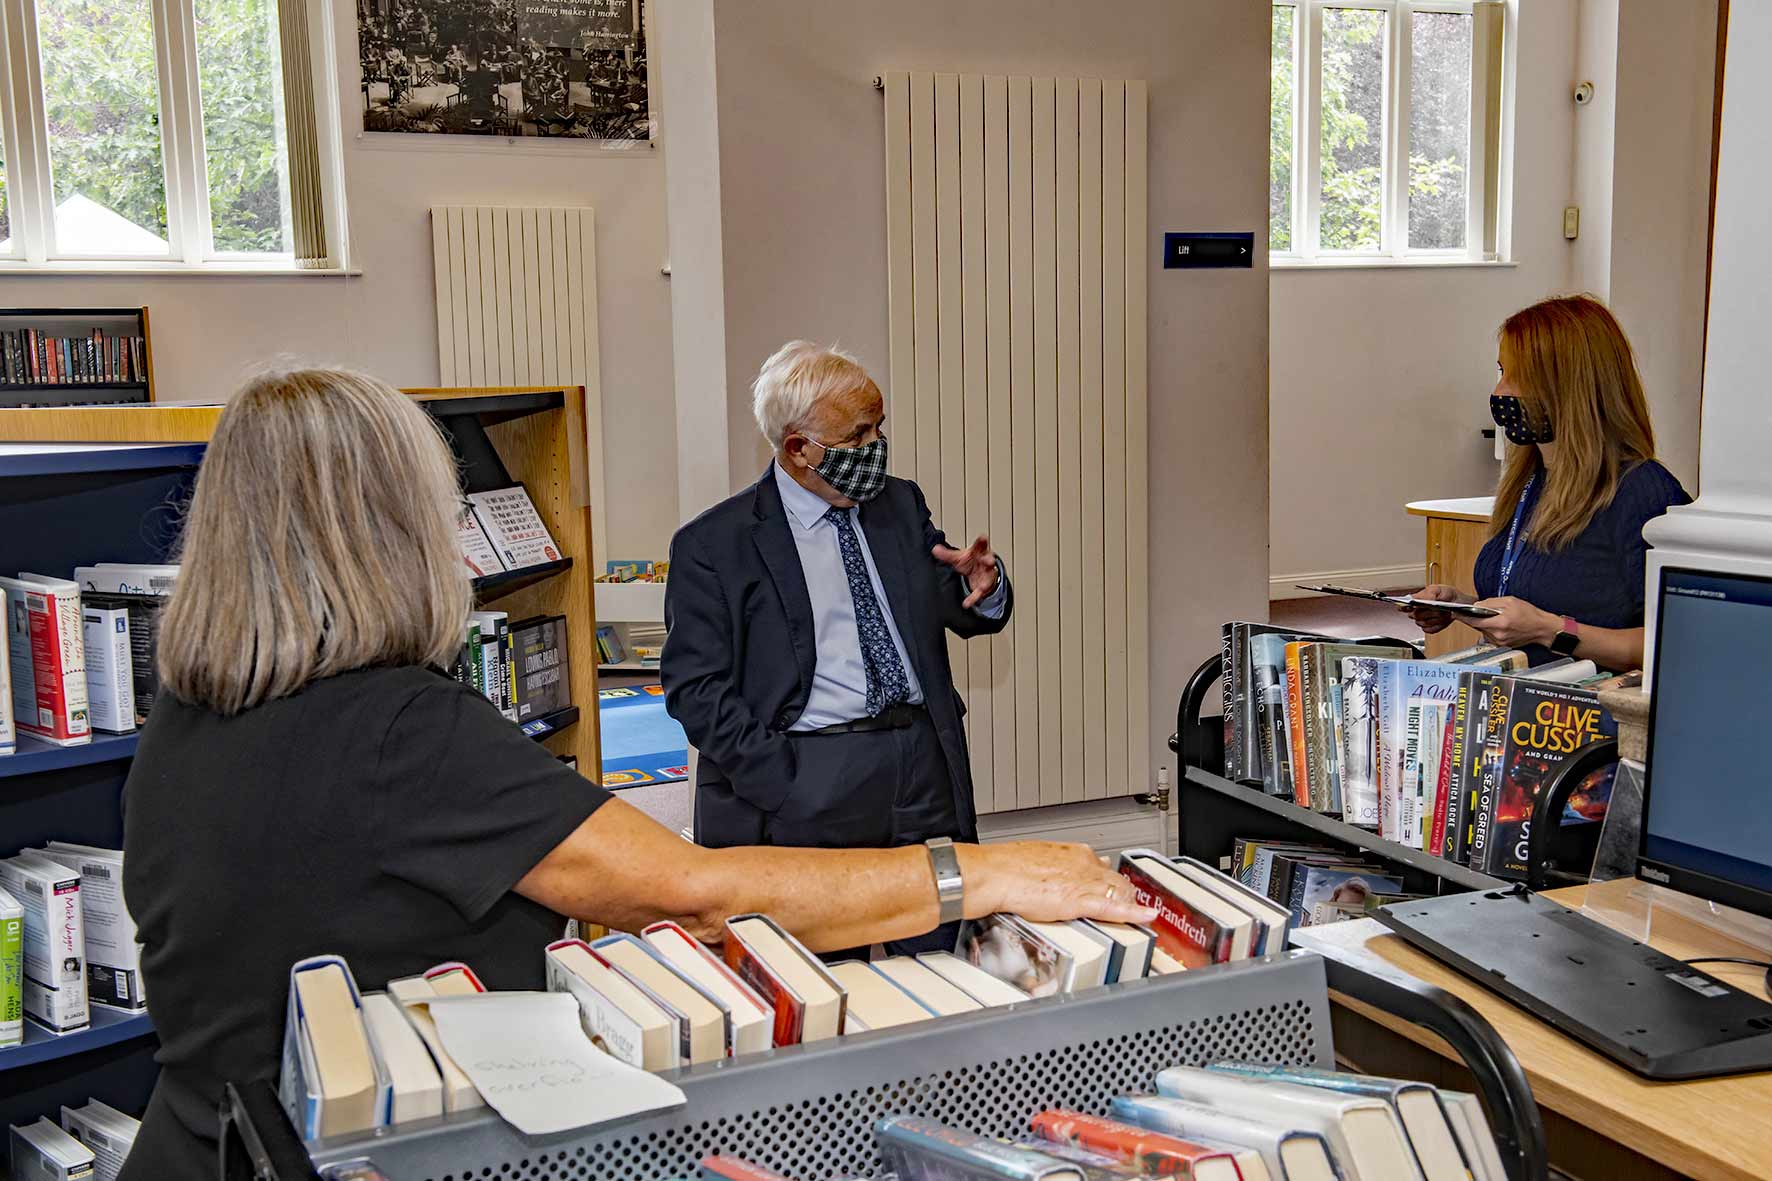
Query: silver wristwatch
x,y
950,891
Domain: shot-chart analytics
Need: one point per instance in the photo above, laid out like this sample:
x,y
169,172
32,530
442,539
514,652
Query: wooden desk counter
x,y
1456,531
1710,1128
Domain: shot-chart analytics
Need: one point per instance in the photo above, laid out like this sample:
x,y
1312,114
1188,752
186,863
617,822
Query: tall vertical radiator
x,y
517,306
1016,266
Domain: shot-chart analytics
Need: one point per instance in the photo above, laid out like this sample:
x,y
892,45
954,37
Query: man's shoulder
x,y
720,519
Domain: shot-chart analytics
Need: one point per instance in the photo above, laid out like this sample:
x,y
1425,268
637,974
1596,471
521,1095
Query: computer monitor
x,y
1707,793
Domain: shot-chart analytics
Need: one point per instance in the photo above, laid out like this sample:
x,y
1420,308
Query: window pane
x,y
1279,182
102,95
5,214
1353,129
1439,129
239,71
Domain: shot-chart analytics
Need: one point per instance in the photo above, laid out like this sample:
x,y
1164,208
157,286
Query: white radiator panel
x,y
1016,227
517,306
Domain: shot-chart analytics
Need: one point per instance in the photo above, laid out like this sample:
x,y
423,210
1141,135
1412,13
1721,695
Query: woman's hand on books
x,y
1046,881
1427,619
1519,624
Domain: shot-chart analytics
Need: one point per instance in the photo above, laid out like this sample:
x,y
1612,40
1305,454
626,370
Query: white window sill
x,y
20,270
1277,263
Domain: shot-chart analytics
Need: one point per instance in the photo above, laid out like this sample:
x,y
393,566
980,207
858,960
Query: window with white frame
x,y
143,133
1384,130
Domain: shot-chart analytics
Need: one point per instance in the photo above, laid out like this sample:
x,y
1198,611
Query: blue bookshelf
x,y
109,1026
35,757
64,505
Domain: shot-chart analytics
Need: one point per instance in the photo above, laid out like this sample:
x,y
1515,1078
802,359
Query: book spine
x,y
8,731
789,1010
12,973
58,668
1233,745
1488,773
1311,728
110,681
1182,932
1301,781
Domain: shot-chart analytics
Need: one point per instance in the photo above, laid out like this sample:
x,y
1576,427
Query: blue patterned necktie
x,y
887,685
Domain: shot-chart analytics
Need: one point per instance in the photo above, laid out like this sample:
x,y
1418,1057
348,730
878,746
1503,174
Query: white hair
x,y
792,381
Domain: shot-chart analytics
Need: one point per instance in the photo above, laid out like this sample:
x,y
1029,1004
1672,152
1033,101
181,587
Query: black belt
x,y
896,717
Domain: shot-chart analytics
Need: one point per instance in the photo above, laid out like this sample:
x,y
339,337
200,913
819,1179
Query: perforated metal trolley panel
x,y
808,1111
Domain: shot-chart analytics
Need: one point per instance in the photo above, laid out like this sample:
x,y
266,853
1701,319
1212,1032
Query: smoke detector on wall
x,y
1584,93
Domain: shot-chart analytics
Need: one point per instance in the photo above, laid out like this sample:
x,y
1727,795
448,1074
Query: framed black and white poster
x,y
572,69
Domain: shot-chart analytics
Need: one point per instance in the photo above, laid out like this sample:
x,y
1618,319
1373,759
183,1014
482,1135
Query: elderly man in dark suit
x,y
807,657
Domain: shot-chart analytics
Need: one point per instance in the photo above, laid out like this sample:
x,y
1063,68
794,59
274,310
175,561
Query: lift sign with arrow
x,y
1208,250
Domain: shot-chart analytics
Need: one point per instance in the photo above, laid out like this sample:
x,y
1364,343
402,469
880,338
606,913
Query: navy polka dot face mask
x,y
1510,415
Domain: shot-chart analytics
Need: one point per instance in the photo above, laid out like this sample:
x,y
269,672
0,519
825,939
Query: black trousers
x,y
876,790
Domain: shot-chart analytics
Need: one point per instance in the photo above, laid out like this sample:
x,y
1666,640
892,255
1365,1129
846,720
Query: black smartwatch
x,y
1567,639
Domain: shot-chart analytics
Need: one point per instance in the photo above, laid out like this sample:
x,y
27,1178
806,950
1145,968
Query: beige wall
x,y
803,199
210,331
1380,378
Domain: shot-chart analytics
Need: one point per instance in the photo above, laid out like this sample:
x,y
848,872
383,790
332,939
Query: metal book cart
x,y
808,1111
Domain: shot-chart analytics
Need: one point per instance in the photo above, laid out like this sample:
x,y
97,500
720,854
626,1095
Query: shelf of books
x,y
1361,769
74,356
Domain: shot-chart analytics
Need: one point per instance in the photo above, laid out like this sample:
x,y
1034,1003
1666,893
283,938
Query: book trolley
x,y
808,1111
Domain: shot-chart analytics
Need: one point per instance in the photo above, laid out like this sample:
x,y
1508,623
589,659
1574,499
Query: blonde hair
x,y
322,538
1572,366
793,380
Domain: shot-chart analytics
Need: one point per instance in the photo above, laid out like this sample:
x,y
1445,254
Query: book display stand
x,y
808,1111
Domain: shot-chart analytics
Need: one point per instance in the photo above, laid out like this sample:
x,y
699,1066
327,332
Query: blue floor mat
x,y
641,742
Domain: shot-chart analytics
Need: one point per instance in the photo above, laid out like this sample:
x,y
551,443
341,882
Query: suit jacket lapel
x,y
893,561
775,542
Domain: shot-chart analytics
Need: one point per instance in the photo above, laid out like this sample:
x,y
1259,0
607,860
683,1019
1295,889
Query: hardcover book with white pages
x,y
980,985
1425,1121
1364,1135
1281,1150
332,1083
416,1086
414,994
752,1021
616,1015
1015,952
1129,957
709,1023
875,1002
931,989
1474,1135
807,1000
476,547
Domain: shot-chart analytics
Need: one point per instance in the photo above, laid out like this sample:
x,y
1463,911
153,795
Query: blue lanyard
x,y
1511,553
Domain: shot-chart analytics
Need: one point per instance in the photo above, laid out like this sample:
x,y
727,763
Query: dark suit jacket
x,y
739,657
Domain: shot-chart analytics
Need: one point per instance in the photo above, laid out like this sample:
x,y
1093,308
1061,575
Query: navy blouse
x,y
1598,578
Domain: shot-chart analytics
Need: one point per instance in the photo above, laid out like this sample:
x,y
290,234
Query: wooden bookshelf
x,y
536,436
78,323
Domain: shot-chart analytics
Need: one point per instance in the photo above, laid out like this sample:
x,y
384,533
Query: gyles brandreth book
x,y
1194,925
1545,723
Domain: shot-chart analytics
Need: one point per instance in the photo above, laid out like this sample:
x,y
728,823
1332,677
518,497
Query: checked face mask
x,y
857,472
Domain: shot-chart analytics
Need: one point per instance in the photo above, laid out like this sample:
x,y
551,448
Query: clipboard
x,y
1465,610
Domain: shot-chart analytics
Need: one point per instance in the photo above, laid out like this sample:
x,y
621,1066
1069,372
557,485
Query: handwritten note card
x,y
530,1059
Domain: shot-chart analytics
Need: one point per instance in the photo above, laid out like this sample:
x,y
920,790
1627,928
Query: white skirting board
x,y
1285,586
